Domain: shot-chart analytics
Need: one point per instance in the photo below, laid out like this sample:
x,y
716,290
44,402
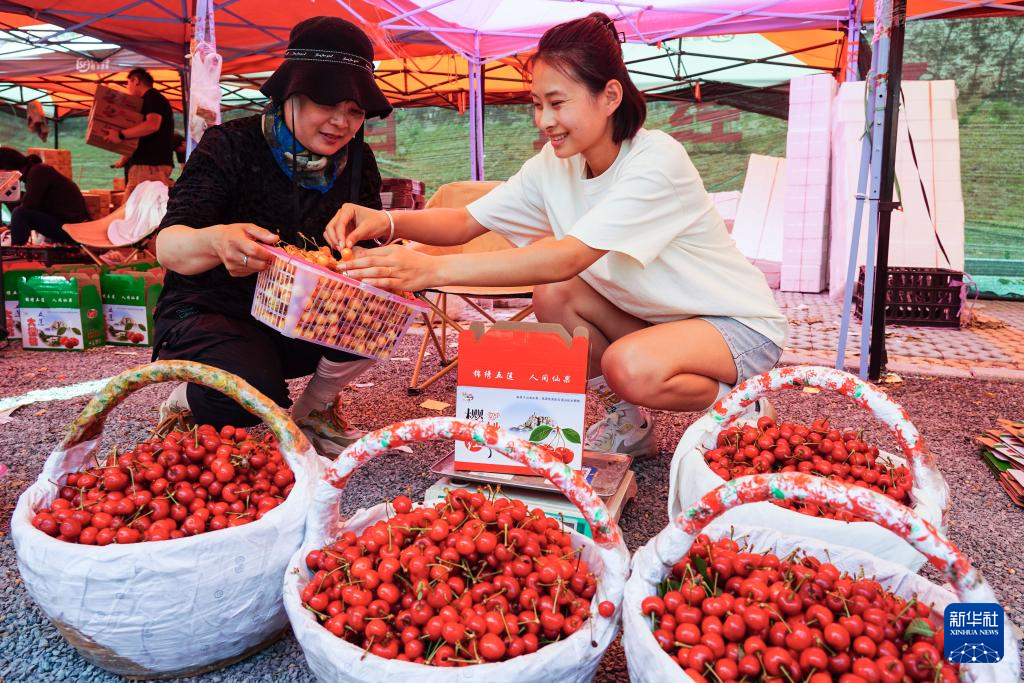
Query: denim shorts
x,y
752,352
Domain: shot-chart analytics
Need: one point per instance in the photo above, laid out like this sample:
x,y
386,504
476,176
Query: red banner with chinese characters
x,y
524,358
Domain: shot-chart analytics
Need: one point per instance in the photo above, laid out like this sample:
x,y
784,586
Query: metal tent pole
x,y
474,170
476,112
481,111
185,78
853,41
858,221
878,159
890,28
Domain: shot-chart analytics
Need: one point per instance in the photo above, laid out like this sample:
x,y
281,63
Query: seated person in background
x,y
50,199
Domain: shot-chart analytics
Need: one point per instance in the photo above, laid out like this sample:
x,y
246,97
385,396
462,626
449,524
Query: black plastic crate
x,y
929,297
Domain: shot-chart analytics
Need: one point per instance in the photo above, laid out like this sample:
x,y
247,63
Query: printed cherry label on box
x,y
129,300
60,313
14,273
530,379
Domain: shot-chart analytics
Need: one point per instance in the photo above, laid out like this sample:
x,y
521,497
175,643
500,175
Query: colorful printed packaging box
x,y
61,313
128,302
529,379
14,273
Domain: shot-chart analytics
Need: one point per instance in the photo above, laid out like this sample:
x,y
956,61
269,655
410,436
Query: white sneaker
x,y
619,433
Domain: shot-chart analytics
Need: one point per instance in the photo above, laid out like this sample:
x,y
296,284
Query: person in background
x,y
178,145
153,157
50,199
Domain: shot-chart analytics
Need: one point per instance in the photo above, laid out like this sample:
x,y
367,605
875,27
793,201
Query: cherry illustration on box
x,y
529,379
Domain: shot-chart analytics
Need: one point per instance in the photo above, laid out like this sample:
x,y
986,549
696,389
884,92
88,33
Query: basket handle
x,y
569,481
863,502
90,423
921,460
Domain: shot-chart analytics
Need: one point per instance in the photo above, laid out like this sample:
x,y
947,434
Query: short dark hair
x,y
588,51
142,76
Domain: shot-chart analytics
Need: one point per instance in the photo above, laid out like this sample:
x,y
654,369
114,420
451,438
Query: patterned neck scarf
x,y
308,169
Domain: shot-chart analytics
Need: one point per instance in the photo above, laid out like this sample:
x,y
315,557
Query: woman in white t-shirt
x,y
616,233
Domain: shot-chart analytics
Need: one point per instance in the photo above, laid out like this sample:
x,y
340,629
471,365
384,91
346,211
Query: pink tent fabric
x,y
251,34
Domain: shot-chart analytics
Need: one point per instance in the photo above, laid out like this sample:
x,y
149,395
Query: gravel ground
x,y
949,413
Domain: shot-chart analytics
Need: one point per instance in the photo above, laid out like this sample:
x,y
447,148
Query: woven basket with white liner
x,y
648,663
166,608
571,659
691,477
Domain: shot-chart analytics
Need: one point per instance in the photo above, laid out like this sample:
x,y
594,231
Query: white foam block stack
x,y
757,230
805,220
727,203
930,117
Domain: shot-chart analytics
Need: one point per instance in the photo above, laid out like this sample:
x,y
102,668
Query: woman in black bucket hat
x,y
280,175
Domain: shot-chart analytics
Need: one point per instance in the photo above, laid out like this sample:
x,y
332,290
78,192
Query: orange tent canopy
x,y
418,65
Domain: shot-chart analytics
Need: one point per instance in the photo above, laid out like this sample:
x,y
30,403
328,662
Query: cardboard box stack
x,y
757,229
805,228
1002,449
117,197
930,118
60,159
97,202
90,269
113,110
402,193
527,378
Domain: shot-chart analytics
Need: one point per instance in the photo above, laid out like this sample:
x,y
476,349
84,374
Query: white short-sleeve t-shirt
x,y
669,256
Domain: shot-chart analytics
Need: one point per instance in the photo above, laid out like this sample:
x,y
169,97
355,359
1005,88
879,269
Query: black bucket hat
x,y
328,60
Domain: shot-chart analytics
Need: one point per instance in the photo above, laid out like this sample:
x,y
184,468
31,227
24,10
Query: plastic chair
x,y
457,195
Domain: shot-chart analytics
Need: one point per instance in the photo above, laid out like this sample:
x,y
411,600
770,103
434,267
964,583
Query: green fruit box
x,y
61,313
128,302
14,273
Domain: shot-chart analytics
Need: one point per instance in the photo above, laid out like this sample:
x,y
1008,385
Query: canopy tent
x,y
251,36
252,33
65,80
